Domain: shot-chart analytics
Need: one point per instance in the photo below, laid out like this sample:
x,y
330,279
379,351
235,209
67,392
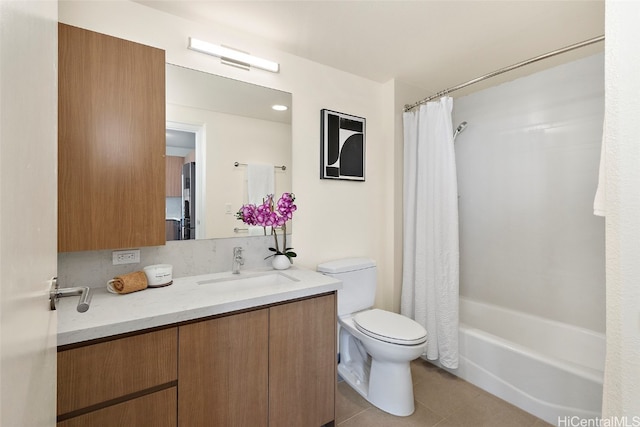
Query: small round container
x,y
159,275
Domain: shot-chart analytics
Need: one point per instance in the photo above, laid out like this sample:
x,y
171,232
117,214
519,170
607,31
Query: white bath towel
x,y
599,202
255,230
260,182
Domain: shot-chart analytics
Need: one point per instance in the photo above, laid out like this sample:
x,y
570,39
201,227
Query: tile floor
x,y
442,400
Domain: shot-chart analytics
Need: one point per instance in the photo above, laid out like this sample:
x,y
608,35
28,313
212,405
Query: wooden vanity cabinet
x,y
119,382
156,409
223,371
302,362
111,142
271,366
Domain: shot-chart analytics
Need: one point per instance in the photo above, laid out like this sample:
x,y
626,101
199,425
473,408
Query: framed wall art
x,y
342,151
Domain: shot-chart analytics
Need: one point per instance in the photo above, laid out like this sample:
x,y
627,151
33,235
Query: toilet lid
x,y
390,327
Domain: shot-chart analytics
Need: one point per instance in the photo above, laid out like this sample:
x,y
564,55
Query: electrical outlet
x,y
227,208
131,256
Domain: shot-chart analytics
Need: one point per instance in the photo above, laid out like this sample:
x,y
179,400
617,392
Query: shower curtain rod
x,y
409,107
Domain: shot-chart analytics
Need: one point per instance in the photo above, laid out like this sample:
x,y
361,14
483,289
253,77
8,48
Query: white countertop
x,y
112,314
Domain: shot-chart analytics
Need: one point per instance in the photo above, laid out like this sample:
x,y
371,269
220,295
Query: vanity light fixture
x,y
279,107
233,56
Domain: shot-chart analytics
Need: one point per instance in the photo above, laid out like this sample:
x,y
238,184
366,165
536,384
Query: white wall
x,y
622,86
28,220
527,172
335,218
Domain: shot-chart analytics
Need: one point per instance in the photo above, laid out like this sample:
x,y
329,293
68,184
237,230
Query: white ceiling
x,y
429,44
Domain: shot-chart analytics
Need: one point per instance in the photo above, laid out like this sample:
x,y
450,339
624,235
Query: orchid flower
x,y
274,215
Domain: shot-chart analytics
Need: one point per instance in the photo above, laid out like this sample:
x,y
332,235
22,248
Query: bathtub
x,y
547,368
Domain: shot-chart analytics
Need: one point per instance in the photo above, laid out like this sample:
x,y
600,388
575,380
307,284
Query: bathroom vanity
x,y
257,349
254,349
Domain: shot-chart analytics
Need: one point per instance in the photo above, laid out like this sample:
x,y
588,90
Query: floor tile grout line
x,y
442,417
439,422
354,415
435,411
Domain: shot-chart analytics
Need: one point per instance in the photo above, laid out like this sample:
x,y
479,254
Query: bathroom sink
x,y
250,280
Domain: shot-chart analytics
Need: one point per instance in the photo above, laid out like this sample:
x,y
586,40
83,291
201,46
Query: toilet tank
x,y
358,276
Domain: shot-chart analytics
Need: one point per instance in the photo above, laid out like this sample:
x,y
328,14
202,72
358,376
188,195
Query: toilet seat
x,y
390,327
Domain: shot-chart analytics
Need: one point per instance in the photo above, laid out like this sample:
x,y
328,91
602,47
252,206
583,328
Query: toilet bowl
x,y
375,346
383,376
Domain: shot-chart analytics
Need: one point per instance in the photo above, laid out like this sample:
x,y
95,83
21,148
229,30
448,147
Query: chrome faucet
x,y
238,260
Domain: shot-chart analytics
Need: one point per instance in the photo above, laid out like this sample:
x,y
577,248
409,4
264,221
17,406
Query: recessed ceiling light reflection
x,y
278,107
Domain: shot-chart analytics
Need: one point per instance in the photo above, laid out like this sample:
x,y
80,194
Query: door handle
x,y
56,293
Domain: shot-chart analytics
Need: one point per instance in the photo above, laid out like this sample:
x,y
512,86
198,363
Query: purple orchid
x,y
274,215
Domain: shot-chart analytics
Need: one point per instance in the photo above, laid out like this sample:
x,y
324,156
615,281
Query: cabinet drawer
x,y
156,409
100,372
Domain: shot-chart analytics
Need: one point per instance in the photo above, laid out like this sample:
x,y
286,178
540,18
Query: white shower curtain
x,y
431,252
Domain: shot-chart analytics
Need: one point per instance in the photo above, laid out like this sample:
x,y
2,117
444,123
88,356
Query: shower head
x,y
459,129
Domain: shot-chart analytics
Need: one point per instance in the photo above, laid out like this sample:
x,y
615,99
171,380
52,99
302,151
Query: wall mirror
x,y
216,128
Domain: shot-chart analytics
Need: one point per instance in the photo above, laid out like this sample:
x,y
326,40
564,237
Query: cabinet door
x,y
174,176
156,409
222,371
111,142
302,362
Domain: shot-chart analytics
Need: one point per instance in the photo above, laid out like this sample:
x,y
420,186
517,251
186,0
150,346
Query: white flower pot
x,y
280,262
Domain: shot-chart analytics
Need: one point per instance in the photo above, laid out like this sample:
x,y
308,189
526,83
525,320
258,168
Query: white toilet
x,y
375,346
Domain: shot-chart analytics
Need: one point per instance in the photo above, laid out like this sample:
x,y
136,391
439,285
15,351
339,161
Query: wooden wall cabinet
x,y
111,142
174,176
272,366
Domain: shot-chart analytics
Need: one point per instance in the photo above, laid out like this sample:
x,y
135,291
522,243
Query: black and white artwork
x,y
343,143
